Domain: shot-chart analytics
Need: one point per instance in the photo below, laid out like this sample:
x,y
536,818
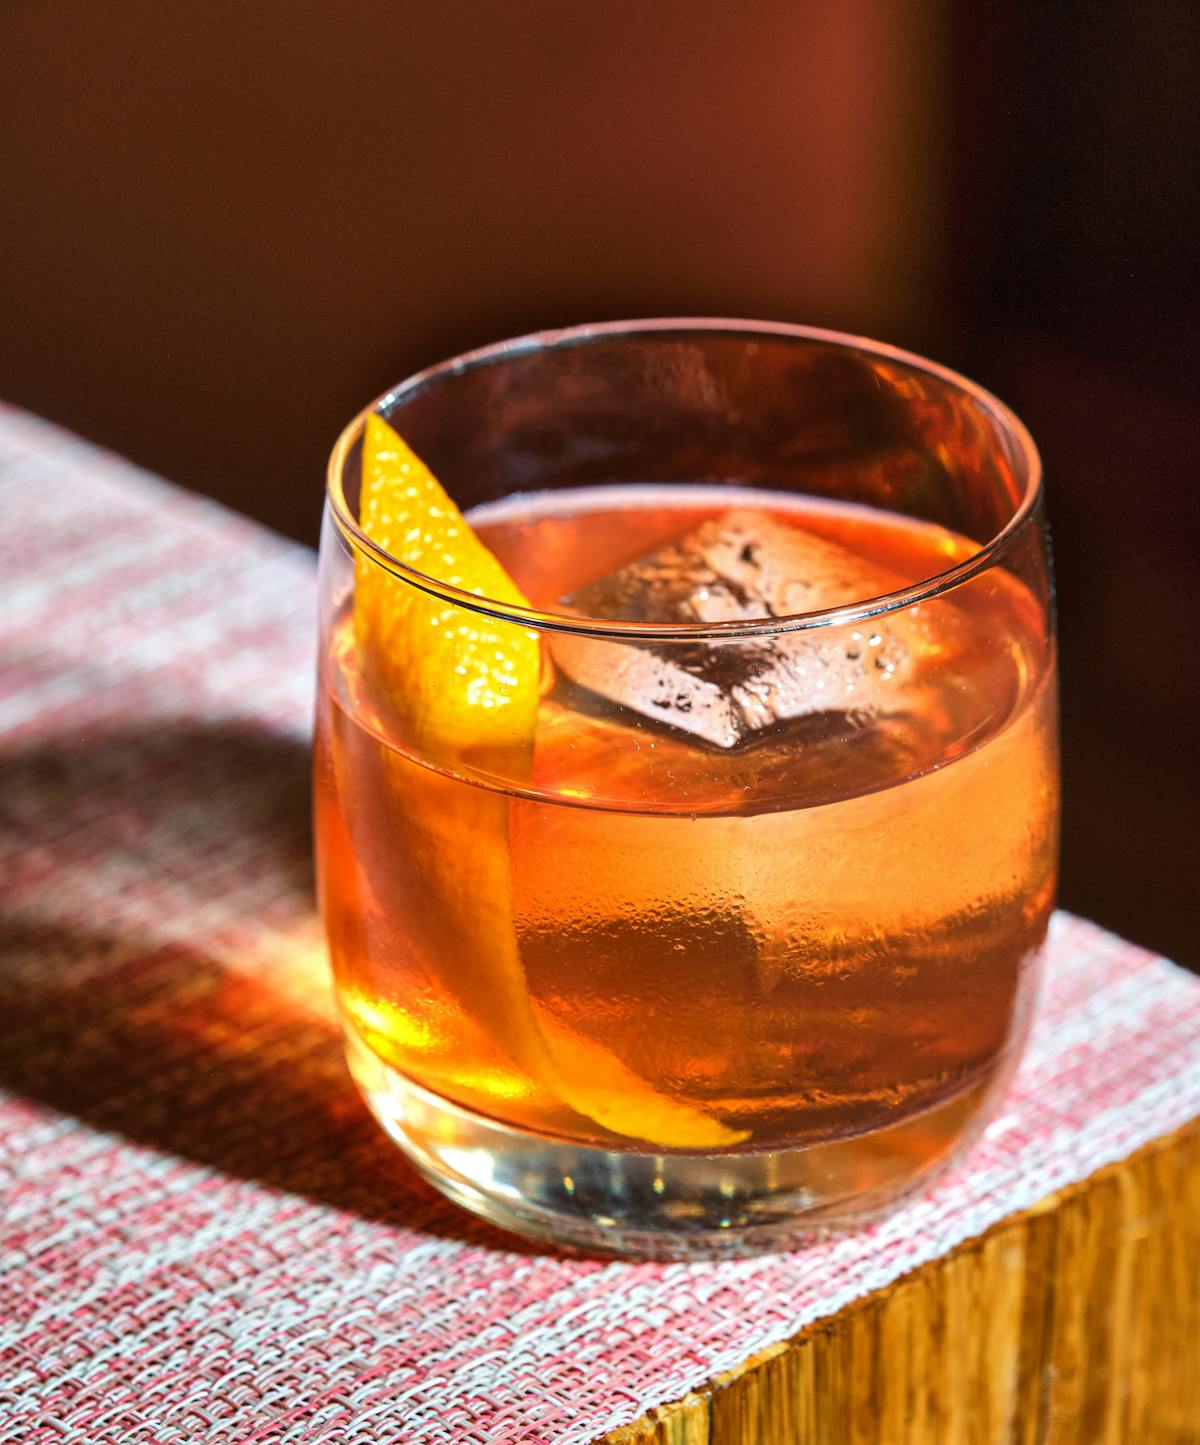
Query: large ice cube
x,y
742,565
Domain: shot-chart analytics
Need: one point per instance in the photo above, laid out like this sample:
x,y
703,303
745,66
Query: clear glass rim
x,y
1008,425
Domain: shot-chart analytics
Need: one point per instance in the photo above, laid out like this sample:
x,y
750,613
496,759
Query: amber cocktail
x,y
687,813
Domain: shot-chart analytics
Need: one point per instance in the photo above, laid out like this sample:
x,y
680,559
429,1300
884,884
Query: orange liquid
x,y
812,937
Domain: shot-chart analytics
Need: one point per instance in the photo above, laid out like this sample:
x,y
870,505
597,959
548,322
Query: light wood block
x,y
1077,1320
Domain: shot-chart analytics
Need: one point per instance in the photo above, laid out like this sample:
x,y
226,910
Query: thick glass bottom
x,y
676,1206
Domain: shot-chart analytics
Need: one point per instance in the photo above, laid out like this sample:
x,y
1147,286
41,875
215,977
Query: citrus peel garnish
x,y
459,679
454,682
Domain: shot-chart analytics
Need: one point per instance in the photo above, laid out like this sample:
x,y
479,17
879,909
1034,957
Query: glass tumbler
x,y
736,938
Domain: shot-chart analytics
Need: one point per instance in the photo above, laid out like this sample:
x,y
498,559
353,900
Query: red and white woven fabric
x,y
202,1235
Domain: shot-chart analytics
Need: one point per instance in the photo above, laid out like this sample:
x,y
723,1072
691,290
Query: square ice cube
x,y
740,566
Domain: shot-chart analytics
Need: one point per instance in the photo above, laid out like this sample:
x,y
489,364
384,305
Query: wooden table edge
x,y
1075,1319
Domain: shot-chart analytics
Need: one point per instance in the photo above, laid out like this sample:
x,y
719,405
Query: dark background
x,y
224,226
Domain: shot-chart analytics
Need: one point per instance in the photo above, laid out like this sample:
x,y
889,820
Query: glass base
x,y
665,1206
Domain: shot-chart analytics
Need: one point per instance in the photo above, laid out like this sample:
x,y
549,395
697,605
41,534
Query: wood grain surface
x,y
1077,1320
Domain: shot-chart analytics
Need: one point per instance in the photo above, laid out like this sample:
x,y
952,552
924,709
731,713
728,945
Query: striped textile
x,y
202,1235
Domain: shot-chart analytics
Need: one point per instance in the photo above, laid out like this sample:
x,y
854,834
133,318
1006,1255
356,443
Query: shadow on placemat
x,y
153,880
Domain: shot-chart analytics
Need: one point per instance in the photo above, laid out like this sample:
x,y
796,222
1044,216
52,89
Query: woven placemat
x,y
203,1236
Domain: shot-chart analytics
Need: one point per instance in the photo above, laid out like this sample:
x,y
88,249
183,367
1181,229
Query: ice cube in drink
x,y
743,566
